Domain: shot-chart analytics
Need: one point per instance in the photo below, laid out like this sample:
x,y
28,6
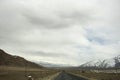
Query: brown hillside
x,y
16,61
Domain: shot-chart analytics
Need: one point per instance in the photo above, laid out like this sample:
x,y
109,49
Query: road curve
x,y
67,76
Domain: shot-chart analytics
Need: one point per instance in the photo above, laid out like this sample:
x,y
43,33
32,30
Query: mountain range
x,y
106,63
17,61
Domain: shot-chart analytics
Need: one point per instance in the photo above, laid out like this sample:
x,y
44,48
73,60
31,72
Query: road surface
x,y
67,76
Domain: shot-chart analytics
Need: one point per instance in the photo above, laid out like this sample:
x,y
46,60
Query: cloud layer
x,y
60,31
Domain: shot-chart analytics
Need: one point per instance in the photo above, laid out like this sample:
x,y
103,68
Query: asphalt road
x,y
67,76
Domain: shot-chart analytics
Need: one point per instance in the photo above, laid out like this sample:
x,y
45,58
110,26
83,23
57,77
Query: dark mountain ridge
x,y
15,61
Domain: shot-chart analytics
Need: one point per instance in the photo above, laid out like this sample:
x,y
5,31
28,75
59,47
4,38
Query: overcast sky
x,y
68,32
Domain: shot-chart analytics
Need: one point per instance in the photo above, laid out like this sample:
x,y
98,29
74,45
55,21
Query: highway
x,y
68,76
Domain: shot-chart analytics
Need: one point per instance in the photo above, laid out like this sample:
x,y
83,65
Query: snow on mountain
x,y
102,63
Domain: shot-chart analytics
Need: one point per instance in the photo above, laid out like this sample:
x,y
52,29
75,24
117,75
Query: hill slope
x,y
16,61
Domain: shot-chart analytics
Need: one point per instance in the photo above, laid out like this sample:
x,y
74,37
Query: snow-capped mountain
x,y
103,63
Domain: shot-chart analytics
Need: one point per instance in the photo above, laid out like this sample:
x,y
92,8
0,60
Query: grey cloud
x,y
44,23
78,16
44,54
61,20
